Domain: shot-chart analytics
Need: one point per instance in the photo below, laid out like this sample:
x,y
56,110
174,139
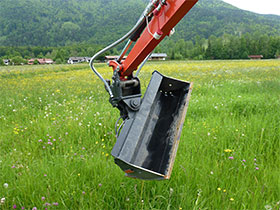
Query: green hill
x,y
68,22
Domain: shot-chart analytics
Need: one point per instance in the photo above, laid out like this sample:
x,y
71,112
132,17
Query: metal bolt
x,y
134,103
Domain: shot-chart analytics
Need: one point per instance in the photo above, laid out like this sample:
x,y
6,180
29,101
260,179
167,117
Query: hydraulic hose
x,y
143,63
135,28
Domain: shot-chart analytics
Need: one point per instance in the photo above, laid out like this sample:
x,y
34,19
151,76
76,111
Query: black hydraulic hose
x,y
138,24
138,27
141,28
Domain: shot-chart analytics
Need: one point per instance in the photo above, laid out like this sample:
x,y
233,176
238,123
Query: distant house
x,y
6,61
73,60
255,57
31,61
45,61
113,57
40,61
158,57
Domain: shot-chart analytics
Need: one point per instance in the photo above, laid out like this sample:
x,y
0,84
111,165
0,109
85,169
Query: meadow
x,y
57,132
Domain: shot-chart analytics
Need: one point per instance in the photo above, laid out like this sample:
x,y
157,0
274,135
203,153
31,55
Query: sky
x,y
257,6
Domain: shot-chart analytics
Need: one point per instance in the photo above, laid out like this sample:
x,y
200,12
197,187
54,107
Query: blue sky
x,y
258,6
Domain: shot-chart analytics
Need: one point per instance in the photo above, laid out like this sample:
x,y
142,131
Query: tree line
x,y
224,47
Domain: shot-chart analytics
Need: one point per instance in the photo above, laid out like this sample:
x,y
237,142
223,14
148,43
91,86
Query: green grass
x,y
233,113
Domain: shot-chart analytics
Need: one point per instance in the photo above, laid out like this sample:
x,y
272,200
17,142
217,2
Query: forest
x,y
61,29
224,47
72,22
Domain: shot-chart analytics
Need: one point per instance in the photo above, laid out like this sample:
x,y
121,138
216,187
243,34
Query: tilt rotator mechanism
x,y
148,138
147,144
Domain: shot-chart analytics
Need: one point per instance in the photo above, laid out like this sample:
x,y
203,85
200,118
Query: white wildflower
x,y
268,207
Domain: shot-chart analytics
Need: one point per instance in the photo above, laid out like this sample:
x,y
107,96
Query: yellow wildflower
x,y
228,150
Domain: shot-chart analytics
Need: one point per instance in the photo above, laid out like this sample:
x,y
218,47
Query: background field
x,y
57,131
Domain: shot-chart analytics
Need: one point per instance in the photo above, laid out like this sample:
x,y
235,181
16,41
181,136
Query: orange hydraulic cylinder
x,y
162,24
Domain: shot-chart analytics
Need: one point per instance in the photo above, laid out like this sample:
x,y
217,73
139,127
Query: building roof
x,y
255,56
163,55
44,60
41,60
77,58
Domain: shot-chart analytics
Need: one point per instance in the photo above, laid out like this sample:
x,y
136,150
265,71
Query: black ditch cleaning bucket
x,y
148,142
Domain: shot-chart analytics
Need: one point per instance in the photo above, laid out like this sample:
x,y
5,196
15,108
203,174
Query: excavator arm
x,y
163,18
148,138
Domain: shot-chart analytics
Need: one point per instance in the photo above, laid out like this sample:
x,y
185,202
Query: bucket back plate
x,y
148,142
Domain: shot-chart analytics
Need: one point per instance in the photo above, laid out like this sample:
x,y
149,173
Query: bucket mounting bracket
x,y
126,94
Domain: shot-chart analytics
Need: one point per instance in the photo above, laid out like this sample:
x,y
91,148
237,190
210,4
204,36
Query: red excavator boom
x,y
165,17
148,138
159,27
